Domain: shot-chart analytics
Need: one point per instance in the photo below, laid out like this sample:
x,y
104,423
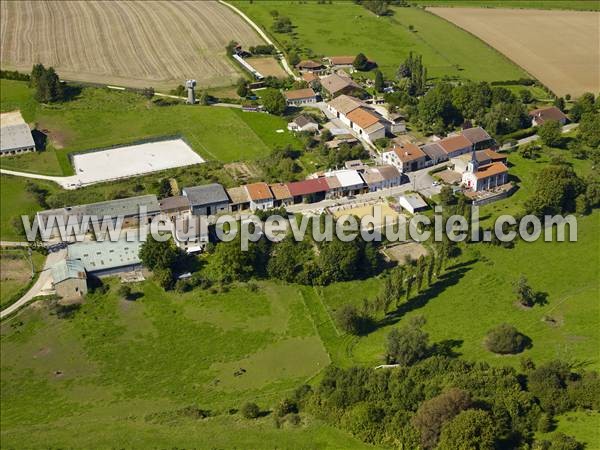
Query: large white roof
x,y
347,178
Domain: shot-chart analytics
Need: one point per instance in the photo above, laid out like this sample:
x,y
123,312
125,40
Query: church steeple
x,y
473,164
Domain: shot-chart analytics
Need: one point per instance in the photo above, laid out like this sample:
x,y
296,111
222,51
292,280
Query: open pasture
x,y
137,44
345,28
124,371
560,48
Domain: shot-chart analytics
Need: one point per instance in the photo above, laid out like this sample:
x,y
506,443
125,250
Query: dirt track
x,y
560,48
138,44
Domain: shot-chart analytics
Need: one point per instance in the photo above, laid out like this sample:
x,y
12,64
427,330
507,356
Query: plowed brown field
x,y
559,48
137,44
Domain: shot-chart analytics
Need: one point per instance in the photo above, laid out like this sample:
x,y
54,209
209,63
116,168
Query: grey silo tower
x,y
190,85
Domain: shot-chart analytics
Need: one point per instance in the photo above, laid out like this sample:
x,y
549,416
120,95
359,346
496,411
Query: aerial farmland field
x,y
344,28
557,47
136,44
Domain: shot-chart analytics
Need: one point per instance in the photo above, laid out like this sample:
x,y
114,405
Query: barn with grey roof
x,y
15,134
207,199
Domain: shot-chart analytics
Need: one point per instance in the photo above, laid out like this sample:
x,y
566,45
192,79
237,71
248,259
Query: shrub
x,y
285,407
250,410
505,339
352,321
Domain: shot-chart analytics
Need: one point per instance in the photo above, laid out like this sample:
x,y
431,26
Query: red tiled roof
x,y
259,191
551,113
490,170
309,64
299,93
309,76
280,191
453,143
409,152
362,117
308,187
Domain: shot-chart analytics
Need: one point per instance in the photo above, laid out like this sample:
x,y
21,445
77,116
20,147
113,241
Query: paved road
x,y
535,137
262,34
419,180
42,286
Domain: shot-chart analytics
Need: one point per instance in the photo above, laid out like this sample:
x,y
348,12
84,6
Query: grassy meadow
x,y
16,273
476,294
344,28
118,373
99,118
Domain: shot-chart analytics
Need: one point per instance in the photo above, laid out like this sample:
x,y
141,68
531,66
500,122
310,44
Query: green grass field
x,y
580,5
16,201
476,294
583,424
343,28
16,270
116,373
101,118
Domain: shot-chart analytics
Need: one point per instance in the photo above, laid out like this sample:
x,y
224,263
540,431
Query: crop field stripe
x,y
134,44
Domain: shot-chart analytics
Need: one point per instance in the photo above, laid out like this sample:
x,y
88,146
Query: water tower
x,y
190,85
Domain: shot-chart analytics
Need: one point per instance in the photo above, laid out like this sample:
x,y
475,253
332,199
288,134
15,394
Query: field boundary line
x,y
428,10
262,34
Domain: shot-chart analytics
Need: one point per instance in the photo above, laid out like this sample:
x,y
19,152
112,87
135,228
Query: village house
x,y
478,137
239,199
435,153
309,191
303,123
455,145
173,207
281,195
342,105
309,66
381,177
336,84
190,233
69,279
260,196
412,203
344,182
406,157
341,62
367,124
15,135
300,97
484,157
345,62
207,199
397,123
311,79
484,177
541,115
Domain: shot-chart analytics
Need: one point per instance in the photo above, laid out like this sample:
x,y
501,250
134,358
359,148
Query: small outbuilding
x,y
303,123
69,279
413,203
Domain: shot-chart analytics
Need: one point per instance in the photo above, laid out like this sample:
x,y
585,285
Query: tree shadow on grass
x,y
450,278
447,348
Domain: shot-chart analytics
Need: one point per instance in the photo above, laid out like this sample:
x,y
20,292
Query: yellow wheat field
x,y
129,43
559,48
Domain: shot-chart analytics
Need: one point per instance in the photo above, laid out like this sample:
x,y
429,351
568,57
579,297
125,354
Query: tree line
x,y
440,402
